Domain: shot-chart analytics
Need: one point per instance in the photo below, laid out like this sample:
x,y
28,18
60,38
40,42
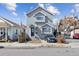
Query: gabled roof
x,y
37,9
7,23
49,24
4,24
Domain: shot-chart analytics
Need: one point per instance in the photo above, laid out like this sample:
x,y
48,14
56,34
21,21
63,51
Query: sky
x,y
16,12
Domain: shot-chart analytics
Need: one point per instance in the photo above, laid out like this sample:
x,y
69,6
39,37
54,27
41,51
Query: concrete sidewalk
x,y
19,45
43,43
37,45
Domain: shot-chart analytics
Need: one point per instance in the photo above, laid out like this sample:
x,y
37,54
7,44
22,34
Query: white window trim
x,y
43,20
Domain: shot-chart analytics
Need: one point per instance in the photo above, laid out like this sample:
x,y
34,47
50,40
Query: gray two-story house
x,y
40,23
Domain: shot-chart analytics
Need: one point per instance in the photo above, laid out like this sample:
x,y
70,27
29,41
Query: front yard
x,y
43,43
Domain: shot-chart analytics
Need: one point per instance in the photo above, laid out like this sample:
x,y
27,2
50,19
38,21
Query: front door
x,y
2,33
32,31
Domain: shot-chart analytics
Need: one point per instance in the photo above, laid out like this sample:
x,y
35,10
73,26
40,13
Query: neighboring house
x,y
39,23
8,29
74,31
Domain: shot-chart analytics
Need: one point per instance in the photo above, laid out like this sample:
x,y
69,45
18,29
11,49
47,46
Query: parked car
x,y
67,36
51,38
15,37
76,36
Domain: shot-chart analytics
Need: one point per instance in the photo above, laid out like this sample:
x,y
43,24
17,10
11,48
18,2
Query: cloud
x,y
11,7
41,5
53,10
14,13
77,7
72,11
50,8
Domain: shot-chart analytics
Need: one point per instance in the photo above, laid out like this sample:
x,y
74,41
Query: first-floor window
x,y
46,30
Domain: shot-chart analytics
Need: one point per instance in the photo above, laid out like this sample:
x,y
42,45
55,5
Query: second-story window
x,y
39,16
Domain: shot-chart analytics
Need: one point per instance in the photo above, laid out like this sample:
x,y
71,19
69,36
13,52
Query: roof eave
x,y
41,8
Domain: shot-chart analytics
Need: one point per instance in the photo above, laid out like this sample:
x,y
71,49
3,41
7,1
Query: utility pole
x,y
58,27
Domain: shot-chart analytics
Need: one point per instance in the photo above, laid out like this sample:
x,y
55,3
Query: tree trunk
x,y
22,37
60,39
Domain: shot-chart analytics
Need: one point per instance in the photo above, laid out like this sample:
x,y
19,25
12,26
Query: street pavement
x,y
40,52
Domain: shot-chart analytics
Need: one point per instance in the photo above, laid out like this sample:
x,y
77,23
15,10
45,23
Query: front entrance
x,y
2,33
32,31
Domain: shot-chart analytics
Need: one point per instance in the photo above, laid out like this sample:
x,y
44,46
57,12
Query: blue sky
x,y
16,11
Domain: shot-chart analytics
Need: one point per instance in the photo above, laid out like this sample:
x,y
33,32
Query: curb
x,y
39,46
19,47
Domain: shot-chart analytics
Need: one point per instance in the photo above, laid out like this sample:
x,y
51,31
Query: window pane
x,y
46,30
39,18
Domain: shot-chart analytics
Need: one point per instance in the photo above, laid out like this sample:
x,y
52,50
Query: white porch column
x,y
28,31
6,29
